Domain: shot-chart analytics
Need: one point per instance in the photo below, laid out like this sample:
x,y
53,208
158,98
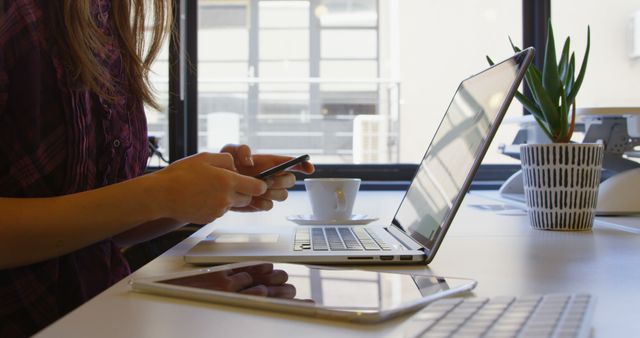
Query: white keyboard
x,y
553,315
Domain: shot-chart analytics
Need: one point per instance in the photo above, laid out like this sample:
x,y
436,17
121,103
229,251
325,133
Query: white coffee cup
x,y
332,198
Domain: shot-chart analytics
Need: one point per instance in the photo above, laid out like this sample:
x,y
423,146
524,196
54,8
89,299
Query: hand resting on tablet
x,y
257,280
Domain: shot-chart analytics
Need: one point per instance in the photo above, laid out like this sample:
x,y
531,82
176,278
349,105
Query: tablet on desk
x,y
351,295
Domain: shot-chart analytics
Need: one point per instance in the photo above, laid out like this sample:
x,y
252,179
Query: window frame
x,y
183,99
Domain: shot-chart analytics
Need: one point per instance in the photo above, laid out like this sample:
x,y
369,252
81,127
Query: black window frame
x,y
183,102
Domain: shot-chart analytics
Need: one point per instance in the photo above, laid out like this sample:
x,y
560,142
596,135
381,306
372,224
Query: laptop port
x,y
386,258
406,257
360,257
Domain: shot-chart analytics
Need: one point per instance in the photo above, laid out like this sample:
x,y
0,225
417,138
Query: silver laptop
x,y
430,203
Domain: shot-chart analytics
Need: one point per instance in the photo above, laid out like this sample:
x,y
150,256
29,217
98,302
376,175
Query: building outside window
x,y
368,81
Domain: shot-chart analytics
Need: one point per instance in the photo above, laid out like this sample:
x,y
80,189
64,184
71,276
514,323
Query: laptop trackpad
x,y
244,238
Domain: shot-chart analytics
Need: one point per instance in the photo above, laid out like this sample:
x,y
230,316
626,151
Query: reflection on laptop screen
x,y
456,146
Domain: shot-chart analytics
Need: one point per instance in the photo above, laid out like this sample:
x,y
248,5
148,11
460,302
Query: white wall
x,y
612,78
440,43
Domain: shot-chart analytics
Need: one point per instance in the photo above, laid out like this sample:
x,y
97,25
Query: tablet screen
x,y
347,290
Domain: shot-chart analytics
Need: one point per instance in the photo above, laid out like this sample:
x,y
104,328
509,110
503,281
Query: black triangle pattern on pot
x,y
561,184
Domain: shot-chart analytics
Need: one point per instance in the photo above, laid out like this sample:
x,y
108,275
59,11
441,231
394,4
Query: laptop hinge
x,y
403,238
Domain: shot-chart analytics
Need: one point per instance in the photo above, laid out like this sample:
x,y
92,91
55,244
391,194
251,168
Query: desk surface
x,y
496,247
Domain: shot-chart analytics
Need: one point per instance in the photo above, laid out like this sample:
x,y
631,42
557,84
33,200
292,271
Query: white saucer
x,y
311,220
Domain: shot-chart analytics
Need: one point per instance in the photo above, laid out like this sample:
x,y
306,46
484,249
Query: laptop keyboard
x,y
554,315
326,238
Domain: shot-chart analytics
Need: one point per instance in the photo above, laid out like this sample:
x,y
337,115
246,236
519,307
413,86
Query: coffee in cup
x,y
332,198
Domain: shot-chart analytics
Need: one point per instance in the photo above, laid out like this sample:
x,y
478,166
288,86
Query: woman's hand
x,y
200,188
258,280
251,165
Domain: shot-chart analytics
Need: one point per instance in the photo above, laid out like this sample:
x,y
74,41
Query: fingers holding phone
x,y
278,164
241,154
276,192
275,170
200,188
251,164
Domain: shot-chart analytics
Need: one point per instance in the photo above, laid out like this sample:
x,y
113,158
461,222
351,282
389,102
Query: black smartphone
x,y
282,166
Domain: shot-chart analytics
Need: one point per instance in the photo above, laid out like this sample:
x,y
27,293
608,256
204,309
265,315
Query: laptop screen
x,y
456,150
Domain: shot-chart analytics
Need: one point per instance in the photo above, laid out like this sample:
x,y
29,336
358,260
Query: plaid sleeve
x,y
4,78
17,38
4,87
12,26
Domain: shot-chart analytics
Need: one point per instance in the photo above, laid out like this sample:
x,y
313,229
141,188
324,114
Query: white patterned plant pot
x,y
561,184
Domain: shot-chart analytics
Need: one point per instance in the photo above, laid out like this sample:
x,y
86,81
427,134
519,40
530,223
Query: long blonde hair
x,y
80,41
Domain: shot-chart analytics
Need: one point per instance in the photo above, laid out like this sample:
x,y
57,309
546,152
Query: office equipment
x,y
500,251
367,296
552,315
513,206
338,239
425,214
619,194
619,129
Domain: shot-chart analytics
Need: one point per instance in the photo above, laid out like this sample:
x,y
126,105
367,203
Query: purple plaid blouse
x,y
57,140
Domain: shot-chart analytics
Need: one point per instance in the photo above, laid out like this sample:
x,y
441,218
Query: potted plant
x,y
561,179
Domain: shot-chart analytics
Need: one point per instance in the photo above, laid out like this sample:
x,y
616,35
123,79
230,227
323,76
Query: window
x,y
347,81
284,76
288,77
157,120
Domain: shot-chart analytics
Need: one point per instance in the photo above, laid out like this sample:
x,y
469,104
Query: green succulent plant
x,y
554,89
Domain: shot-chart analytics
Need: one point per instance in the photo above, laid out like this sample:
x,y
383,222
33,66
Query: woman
x,y
73,81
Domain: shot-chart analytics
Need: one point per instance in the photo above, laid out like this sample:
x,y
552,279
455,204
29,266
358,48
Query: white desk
x,y
502,252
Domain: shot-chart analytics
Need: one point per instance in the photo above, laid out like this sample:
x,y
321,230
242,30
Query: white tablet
x,y
344,294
